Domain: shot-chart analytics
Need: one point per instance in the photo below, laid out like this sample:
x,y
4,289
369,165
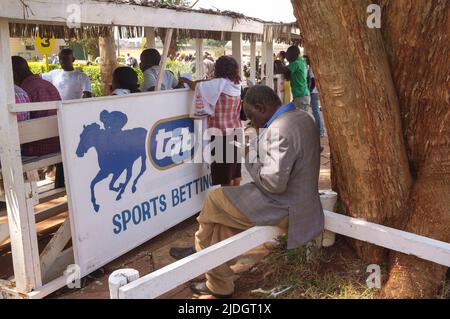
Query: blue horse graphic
x,y
117,151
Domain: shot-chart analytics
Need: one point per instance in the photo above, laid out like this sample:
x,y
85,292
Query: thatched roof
x,y
282,32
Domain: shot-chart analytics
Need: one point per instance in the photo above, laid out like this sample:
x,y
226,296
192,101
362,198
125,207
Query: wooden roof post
x,y
22,227
269,63
199,58
269,57
108,58
253,61
263,60
236,40
162,64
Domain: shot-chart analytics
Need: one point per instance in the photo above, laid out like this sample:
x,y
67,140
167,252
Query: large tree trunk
x,y
418,45
365,112
108,56
360,110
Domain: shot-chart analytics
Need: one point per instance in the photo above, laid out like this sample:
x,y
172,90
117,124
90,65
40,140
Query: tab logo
x,y
171,142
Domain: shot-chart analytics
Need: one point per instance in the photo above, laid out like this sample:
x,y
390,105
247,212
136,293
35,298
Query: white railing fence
x,y
163,280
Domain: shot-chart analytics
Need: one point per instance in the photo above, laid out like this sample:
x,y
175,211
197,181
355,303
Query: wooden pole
x,y
116,30
162,65
269,63
263,60
236,40
22,228
253,62
109,60
199,58
269,57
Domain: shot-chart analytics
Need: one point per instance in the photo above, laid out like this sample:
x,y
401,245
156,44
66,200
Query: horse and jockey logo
x,y
117,151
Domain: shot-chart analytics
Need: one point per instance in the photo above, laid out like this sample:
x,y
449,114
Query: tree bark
x,y
361,112
173,48
390,85
107,45
418,45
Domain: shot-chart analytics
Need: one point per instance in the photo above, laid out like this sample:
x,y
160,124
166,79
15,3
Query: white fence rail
x,y
169,277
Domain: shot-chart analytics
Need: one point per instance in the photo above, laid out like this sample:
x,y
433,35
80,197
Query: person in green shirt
x,y
296,72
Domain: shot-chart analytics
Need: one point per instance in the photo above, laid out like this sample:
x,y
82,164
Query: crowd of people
x,y
284,191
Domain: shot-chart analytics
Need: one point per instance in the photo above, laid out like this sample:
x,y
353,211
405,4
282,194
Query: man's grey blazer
x,y
285,180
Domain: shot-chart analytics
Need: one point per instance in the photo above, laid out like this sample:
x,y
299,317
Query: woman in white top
x,y
125,81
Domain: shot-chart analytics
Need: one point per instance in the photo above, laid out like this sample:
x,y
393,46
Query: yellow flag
x,y
44,45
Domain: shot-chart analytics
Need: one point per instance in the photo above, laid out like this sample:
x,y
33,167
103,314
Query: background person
x,y
208,66
149,65
125,81
223,95
71,84
38,90
315,100
296,72
21,97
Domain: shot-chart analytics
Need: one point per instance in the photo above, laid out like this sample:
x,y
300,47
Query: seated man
x,y
38,90
150,59
284,190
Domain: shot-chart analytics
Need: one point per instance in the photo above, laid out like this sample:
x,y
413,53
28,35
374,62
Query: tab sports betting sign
x,y
126,171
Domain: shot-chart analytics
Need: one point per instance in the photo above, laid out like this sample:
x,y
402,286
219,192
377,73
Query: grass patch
x,y
330,273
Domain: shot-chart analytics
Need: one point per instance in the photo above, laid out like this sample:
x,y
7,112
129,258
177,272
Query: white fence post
x,y
21,221
120,278
328,198
199,58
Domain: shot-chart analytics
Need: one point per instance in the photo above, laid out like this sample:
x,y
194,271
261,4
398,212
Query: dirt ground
x,y
153,254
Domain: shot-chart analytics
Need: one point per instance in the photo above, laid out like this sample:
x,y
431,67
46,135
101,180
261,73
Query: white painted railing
x,y
169,277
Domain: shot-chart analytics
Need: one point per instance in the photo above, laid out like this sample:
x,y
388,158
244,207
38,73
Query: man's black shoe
x,y
200,288
181,252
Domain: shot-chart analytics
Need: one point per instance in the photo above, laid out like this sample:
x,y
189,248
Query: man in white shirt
x,y
208,66
149,65
71,84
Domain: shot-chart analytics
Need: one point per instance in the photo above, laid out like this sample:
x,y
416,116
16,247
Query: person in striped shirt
x,y
21,97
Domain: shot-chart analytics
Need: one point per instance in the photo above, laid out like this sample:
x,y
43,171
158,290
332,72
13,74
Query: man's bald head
x,y
21,70
260,103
